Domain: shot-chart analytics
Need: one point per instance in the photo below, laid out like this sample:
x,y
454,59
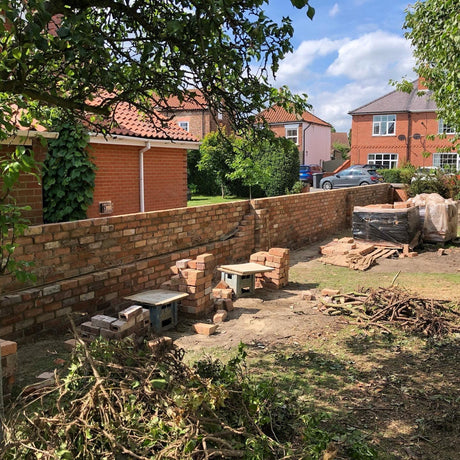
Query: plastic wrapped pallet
x,y
397,226
439,217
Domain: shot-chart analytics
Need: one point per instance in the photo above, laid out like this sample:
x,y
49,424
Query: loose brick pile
x,y
194,276
278,258
9,358
134,320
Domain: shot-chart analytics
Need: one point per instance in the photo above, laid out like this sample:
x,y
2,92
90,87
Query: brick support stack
x,y
278,258
9,358
134,320
194,276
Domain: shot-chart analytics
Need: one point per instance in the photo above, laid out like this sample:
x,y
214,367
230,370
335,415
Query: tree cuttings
x,y
65,53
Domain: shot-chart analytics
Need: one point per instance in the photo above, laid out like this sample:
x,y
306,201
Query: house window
x,y
445,129
384,125
292,133
385,160
183,125
220,115
447,160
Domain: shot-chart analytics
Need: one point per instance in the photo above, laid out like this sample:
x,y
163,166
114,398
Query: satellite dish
x,y
402,137
416,136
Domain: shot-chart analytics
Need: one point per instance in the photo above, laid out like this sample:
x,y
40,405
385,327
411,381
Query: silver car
x,y
351,177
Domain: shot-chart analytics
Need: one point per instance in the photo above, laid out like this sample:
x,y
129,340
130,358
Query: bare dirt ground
x,y
399,393
269,317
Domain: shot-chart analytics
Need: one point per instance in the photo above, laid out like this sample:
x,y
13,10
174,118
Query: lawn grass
x,y
201,200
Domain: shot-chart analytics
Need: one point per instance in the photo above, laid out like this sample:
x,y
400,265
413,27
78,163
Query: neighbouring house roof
x,y
340,138
399,101
197,102
279,115
129,122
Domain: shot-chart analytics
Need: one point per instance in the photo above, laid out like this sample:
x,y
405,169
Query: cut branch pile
x,y
119,401
384,306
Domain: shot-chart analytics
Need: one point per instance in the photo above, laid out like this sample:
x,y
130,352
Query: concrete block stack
x,y
133,320
194,276
278,258
9,357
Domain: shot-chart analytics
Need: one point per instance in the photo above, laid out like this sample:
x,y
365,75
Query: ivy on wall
x,y
68,180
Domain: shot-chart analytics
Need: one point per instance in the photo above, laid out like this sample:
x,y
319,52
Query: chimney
x,y
421,84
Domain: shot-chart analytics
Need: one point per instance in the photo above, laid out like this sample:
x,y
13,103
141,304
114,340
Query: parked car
x,y
307,171
369,166
351,177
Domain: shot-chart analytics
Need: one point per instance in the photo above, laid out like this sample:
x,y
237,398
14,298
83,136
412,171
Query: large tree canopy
x,y
434,30
64,52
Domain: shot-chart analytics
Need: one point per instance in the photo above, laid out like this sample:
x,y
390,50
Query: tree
x,y
433,29
89,55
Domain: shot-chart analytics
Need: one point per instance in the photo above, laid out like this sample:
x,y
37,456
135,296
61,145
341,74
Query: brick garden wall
x,y
89,266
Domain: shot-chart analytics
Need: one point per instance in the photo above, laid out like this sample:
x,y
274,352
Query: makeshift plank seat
x,y
162,304
242,276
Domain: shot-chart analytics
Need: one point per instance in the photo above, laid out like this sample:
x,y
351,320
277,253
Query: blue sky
x,y
346,56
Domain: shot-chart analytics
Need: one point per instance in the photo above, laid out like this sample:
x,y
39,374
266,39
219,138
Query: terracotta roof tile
x,y
340,138
129,122
277,114
198,102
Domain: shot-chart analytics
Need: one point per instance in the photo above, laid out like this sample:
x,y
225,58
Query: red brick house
x,y
311,134
194,115
393,129
140,168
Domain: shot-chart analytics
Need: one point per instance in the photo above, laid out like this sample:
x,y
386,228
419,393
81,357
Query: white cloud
x,y
298,62
372,57
334,10
341,75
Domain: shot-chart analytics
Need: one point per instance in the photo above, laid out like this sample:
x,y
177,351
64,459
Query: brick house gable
x,y
395,129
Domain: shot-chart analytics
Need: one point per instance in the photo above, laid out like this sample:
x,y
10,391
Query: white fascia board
x,y
24,137
141,141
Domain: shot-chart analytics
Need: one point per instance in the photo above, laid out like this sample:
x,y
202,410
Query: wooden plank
x,y
244,269
157,297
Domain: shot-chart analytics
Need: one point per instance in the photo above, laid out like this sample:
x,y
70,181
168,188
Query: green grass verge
x,y
201,200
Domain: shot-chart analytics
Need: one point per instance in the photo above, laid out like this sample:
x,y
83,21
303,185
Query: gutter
x,y
141,141
24,137
141,175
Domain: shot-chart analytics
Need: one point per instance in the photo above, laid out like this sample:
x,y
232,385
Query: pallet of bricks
x,y
133,320
278,258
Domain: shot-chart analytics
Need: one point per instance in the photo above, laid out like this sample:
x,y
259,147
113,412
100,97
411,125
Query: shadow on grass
x,y
400,392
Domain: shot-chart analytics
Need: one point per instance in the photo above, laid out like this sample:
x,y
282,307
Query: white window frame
x,y
443,159
381,125
445,129
184,125
288,134
383,158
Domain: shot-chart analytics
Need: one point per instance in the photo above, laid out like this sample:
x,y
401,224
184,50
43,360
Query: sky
x,y
346,56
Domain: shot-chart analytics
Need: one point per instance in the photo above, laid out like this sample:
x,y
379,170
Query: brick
x,y
160,344
280,252
8,347
102,321
220,316
412,254
330,292
183,263
121,325
205,329
221,285
402,205
205,258
108,334
89,327
192,264
131,312
70,344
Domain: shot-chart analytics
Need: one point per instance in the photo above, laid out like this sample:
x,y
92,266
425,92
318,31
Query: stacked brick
x,y
194,276
9,358
134,320
278,258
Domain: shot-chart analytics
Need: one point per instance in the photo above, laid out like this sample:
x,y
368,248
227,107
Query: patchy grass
x,y
201,200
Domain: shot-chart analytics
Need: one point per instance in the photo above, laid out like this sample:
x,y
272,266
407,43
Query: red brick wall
x,y
117,178
89,266
28,190
408,149
201,122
